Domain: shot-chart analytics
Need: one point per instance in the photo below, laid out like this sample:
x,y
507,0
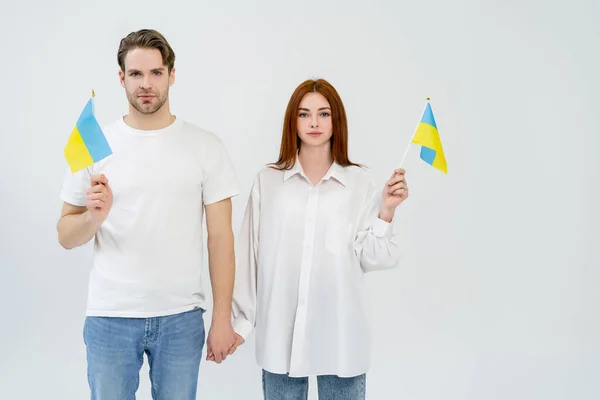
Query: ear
x,y
172,76
122,78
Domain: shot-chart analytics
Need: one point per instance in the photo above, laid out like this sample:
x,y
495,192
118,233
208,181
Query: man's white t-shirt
x,y
148,253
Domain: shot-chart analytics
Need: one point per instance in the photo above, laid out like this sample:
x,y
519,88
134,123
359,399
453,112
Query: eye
x,y
157,73
303,115
325,114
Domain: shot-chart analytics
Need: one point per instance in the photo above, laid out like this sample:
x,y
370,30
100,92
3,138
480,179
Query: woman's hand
x,y
394,193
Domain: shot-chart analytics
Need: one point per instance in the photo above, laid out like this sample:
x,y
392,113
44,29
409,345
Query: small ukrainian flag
x,y
87,143
428,137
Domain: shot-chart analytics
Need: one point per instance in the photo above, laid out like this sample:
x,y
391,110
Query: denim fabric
x,y
330,387
115,348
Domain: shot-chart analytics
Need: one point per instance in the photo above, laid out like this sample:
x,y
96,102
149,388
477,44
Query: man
x,y
144,205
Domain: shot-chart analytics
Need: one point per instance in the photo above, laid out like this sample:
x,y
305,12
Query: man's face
x,y
146,80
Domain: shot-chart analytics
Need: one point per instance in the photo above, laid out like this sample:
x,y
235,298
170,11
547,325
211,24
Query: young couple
x,y
314,224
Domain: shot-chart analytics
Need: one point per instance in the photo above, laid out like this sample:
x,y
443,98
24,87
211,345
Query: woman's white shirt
x,y
301,256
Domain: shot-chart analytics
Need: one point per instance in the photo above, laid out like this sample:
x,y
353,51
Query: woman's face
x,y
314,120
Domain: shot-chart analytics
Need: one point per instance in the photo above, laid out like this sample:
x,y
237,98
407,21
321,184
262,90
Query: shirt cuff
x,y
382,228
73,200
214,198
242,327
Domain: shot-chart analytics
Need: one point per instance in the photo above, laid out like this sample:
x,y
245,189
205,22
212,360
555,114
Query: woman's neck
x,y
315,161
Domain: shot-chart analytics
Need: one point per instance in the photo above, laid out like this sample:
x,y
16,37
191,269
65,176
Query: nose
x,y
146,83
314,122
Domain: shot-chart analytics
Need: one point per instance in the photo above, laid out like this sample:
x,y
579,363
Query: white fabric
x,y
301,258
148,253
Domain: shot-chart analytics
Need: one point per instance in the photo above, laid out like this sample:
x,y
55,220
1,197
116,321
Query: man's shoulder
x,y
196,132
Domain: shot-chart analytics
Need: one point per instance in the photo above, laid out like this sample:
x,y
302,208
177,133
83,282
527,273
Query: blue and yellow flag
x,y
428,137
87,143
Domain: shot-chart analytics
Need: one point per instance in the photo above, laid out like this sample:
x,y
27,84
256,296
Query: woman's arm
x,y
376,244
244,291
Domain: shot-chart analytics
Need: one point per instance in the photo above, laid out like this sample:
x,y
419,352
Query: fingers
x,y
219,357
398,171
397,187
100,182
397,177
238,341
95,204
401,193
100,188
99,179
216,356
98,195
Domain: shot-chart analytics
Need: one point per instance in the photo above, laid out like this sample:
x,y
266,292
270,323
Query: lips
x,y
314,134
146,96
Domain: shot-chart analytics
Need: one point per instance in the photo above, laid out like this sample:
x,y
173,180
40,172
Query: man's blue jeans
x,y
115,348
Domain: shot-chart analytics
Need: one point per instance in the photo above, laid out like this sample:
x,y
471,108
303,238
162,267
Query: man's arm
x,y
78,224
75,226
220,257
222,275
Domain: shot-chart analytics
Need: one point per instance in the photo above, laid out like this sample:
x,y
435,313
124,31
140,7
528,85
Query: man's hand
x,y
77,225
99,199
221,338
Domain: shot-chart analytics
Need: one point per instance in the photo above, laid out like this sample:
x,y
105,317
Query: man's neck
x,y
315,161
159,120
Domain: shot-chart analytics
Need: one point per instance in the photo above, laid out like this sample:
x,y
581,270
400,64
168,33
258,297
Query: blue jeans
x,y
115,348
330,387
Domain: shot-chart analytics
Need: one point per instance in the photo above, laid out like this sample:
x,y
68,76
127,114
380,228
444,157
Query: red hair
x,y
290,142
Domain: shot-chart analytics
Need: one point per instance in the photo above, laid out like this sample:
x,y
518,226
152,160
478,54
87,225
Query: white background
x,y
498,294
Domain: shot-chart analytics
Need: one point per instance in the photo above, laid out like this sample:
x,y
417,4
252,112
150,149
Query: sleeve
x,y
220,181
376,243
244,290
75,186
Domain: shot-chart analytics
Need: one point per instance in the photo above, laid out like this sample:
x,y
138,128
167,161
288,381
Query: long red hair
x,y
290,142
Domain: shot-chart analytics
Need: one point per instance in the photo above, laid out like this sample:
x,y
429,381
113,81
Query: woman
x,y
314,224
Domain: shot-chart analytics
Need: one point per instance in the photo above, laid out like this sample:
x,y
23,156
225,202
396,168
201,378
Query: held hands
x,y
218,354
221,339
99,198
394,192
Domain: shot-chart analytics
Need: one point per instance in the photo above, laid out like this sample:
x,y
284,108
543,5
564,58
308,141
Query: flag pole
x,y
413,135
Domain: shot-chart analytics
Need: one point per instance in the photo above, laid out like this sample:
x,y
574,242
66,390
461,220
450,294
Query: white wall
x,y
497,297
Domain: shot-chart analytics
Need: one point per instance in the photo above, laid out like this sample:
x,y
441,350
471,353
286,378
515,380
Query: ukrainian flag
x,y
428,137
87,143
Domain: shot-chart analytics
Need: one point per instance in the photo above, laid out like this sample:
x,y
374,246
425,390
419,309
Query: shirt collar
x,y
336,171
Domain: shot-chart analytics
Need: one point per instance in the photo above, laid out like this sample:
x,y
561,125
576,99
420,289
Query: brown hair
x,y
146,39
290,142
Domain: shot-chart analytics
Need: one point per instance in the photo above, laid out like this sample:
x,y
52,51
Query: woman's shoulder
x,y
358,174
270,170
268,174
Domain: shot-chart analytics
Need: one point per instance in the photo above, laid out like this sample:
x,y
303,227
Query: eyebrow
x,y
152,70
320,109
